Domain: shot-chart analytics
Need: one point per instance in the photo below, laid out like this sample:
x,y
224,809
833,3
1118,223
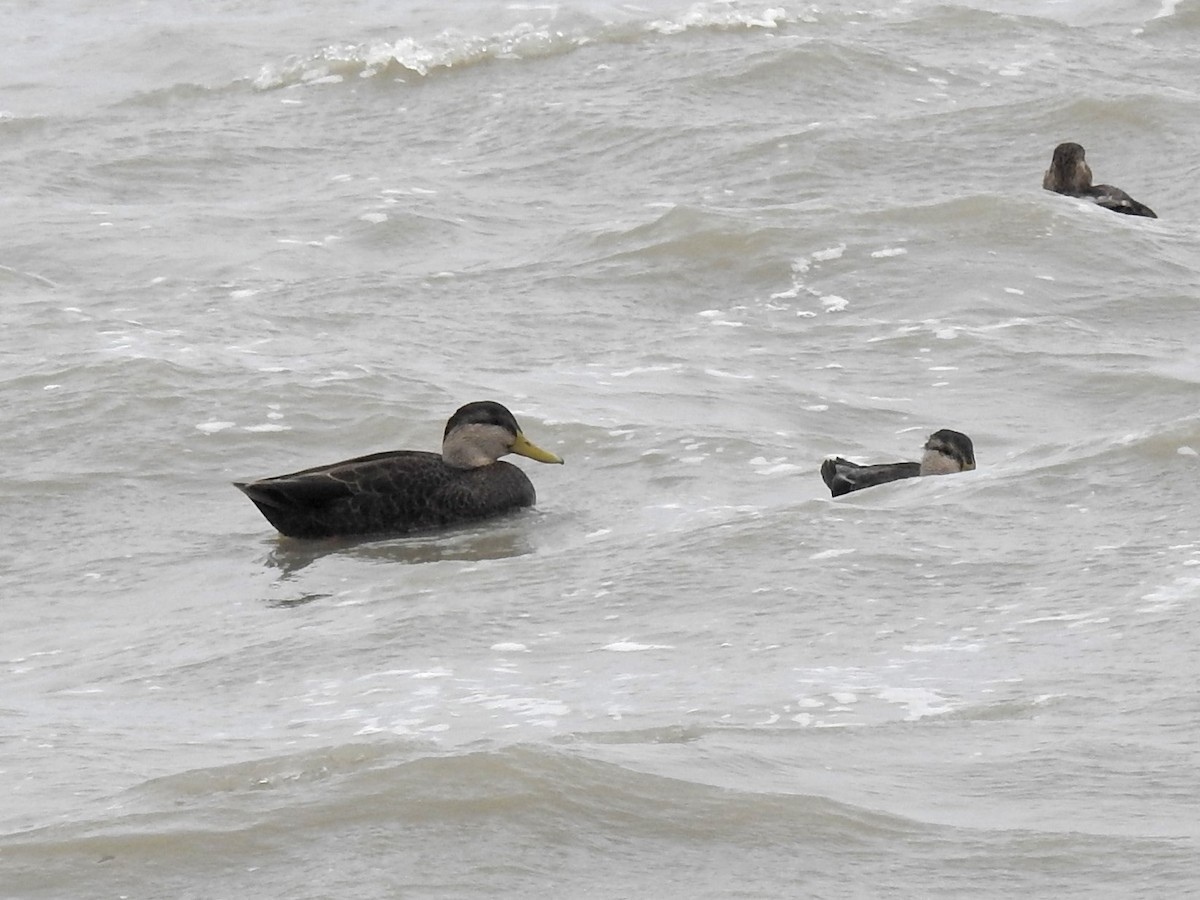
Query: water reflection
x,y
469,544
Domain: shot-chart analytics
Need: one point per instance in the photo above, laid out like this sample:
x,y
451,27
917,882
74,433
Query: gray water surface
x,y
694,248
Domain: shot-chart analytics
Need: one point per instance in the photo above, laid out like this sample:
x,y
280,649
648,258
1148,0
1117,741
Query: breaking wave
x,y
452,50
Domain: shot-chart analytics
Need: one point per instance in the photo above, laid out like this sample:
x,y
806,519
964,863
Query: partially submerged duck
x,y
946,452
408,490
1070,174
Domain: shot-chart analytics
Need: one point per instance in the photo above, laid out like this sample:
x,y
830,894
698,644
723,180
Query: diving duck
x,y
946,452
399,491
1070,174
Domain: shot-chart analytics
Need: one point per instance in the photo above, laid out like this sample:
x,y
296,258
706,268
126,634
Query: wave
x,y
421,57
404,781
8,273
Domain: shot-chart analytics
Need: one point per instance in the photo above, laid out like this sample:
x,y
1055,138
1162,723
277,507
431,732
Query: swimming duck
x,y
946,452
1070,174
407,490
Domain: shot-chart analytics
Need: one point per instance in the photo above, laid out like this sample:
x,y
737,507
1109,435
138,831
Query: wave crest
x,y
337,62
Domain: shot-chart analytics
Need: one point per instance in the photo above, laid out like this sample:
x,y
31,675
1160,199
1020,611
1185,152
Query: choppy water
x,y
695,248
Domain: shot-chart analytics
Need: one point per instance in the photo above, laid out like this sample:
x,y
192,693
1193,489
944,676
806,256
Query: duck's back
x,y
1118,201
842,476
397,491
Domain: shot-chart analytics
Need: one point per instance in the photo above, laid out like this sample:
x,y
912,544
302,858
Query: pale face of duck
x,y
480,433
947,452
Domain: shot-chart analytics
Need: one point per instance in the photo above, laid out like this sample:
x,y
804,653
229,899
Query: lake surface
x,y
695,248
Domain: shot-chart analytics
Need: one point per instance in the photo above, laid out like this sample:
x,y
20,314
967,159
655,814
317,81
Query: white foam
x,y
720,373
632,647
831,253
432,673
1168,596
529,706
719,16
641,370
1062,617
918,701
214,427
942,648
780,468
889,251
830,554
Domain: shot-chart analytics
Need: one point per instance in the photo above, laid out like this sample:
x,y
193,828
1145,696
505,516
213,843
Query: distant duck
x,y
407,490
1070,174
946,452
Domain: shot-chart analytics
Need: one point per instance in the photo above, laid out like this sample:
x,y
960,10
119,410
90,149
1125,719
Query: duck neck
x,y
1074,177
935,462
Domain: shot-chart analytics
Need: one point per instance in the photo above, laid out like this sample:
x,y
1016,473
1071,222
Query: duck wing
x,y
1118,201
843,476
397,491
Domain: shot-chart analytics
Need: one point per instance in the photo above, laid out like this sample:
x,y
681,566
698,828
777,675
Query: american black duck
x,y
399,491
1070,174
946,452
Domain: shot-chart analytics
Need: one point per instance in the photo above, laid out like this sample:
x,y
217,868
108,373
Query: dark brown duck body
x,y
842,476
1070,174
396,492
946,452
402,491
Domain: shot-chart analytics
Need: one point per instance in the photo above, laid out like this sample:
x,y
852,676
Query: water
x,y
695,248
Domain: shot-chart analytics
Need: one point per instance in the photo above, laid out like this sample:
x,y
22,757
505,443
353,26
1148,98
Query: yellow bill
x,y
523,447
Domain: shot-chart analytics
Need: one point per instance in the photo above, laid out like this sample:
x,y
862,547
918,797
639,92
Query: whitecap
x,y
633,647
830,554
831,253
918,701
